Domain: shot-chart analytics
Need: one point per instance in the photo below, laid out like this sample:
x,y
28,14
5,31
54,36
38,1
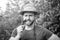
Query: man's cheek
x,y
24,18
32,19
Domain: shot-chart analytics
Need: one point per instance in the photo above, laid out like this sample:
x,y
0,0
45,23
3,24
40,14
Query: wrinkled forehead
x,y
28,14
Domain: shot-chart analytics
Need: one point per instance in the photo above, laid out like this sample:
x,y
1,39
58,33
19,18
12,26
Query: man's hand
x,y
20,29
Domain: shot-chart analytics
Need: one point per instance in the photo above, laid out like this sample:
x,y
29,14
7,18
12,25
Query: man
x,y
29,30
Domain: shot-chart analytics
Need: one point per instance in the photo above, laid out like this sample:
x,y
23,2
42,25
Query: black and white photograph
x,y
29,19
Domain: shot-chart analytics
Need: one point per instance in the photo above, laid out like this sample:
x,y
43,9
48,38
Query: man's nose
x,y
28,18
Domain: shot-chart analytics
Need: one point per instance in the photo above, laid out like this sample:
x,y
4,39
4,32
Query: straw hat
x,y
29,8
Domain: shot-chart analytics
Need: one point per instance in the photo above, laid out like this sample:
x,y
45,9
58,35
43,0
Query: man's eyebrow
x,y
30,15
25,15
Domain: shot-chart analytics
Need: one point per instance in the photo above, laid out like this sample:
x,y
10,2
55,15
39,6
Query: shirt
x,y
38,33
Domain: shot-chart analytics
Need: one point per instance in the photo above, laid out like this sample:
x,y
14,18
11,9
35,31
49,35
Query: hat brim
x,y
35,13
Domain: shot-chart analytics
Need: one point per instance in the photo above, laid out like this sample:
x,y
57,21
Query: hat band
x,y
35,13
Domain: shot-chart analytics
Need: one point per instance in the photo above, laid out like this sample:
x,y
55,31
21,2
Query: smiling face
x,y
28,18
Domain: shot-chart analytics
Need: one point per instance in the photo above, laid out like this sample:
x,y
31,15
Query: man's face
x,y
28,18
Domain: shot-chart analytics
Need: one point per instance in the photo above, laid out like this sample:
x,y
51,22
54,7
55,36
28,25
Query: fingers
x,y
20,28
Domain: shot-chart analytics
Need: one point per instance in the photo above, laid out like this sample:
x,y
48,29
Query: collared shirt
x,y
38,33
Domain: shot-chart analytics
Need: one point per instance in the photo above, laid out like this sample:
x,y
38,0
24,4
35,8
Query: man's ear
x,y
36,16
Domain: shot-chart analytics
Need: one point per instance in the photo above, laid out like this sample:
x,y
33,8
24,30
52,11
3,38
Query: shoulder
x,y
54,37
43,29
45,32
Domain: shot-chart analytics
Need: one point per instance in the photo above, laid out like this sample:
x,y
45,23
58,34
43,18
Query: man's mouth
x,y
26,21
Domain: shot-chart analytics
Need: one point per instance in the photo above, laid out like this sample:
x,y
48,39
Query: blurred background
x,y
10,16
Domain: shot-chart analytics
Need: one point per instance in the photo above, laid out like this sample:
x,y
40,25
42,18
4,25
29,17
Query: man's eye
x,y
25,15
